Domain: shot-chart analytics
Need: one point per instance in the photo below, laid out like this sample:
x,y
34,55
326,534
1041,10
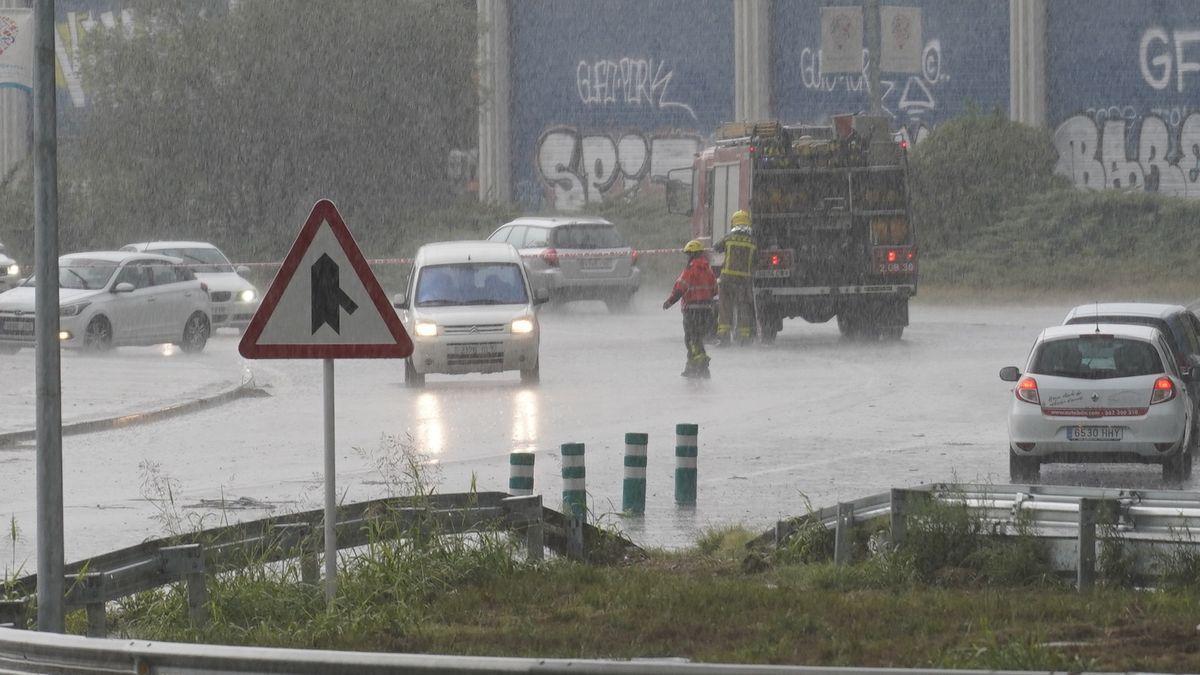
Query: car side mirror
x,y
243,270
541,296
400,300
1010,373
123,287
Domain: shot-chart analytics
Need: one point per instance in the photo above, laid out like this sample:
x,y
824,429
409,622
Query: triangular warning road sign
x,y
333,309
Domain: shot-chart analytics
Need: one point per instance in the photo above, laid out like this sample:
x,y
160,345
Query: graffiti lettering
x,y
1092,153
1159,61
910,101
631,82
576,168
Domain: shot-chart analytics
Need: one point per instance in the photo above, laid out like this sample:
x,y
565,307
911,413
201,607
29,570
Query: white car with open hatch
x,y
469,309
1099,393
107,299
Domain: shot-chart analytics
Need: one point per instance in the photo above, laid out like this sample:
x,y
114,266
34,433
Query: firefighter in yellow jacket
x,y
736,308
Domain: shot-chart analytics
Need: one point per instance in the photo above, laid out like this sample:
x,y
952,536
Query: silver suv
x,y
575,258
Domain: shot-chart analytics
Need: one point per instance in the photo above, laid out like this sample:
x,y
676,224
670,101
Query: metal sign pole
x,y
50,562
330,490
874,31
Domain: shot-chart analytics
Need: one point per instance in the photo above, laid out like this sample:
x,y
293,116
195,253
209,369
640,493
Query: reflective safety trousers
x,y
739,254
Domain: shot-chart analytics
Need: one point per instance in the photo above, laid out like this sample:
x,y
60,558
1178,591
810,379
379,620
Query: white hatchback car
x,y
1100,393
469,309
111,298
234,299
10,271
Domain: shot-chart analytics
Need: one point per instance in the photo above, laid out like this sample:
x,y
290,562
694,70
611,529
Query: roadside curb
x,y
243,390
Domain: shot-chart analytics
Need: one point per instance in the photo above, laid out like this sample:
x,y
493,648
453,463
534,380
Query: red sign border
x,y
325,211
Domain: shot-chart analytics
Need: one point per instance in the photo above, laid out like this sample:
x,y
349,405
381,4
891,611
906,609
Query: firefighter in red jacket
x,y
696,286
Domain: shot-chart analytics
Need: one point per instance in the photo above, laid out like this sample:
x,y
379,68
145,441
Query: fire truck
x,y
831,219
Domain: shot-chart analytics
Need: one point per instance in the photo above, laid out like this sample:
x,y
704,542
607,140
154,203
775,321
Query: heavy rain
x,y
594,219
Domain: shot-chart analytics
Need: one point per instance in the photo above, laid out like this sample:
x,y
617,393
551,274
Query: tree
x,y
227,121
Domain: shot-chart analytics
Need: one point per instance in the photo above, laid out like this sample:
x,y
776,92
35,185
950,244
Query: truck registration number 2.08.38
x,y
1082,433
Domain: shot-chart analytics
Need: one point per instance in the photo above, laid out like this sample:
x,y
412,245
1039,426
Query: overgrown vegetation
x,y
227,125
993,216
959,593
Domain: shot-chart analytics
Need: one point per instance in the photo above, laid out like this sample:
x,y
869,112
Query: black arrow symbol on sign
x,y
328,296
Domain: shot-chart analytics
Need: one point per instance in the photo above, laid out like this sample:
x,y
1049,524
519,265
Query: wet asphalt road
x,y
812,419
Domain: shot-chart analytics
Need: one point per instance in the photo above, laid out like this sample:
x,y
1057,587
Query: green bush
x,y
973,168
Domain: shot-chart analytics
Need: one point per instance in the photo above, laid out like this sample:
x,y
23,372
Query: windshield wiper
x,y
482,301
80,278
440,302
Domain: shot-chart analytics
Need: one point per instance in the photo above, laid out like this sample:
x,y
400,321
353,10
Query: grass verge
x,y
958,594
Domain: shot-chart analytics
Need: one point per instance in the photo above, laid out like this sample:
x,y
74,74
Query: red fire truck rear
x,y
831,219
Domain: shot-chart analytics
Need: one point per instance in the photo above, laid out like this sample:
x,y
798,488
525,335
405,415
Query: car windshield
x,y
200,259
471,284
588,236
1096,357
86,274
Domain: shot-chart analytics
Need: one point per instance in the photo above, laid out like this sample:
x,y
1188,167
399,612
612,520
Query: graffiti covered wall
x,y
608,95
1124,102
964,62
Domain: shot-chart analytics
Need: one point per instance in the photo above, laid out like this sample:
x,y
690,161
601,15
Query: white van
x,y
469,309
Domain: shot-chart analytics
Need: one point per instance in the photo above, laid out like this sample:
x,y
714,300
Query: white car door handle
x,y
150,299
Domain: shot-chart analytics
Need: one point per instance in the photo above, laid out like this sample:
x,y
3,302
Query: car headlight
x,y
247,295
522,326
14,270
426,329
73,310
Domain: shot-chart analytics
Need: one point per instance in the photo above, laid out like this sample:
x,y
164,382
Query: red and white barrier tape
x,y
409,261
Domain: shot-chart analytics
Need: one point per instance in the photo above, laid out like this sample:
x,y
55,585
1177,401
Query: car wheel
x,y
1174,468
532,375
412,378
98,335
849,327
1023,469
195,333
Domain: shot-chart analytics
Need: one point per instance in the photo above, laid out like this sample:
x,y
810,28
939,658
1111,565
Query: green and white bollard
x,y
633,497
685,463
520,474
574,478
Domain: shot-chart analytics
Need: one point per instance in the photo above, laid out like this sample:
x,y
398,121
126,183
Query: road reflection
x,y
525,420
446,421
430,427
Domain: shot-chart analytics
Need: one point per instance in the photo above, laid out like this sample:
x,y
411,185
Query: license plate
x,y
472,350
772,273
595,264
1082,433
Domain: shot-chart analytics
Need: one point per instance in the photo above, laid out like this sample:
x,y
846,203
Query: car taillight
x,y
633,255
1027,391
550,257
1163,391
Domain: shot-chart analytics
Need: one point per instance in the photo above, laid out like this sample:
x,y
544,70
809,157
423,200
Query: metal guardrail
x,y
1148,522
1063,515
93,582
29,652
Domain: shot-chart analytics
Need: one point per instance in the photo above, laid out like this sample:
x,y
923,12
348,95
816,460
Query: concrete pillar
x,y
752,59
1027,61
495,179
14,118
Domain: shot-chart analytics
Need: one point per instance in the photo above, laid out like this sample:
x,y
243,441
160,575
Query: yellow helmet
x,y
693,246
740,218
